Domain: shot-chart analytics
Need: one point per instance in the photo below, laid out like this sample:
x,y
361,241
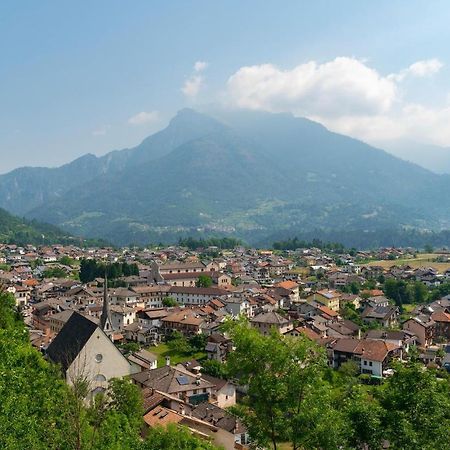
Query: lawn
x,y
423,260
162,350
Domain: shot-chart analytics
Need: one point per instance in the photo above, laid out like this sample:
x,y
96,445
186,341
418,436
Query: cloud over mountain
x,y
347,95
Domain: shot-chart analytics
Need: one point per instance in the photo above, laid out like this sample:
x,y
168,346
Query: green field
x,y
423,260
162,350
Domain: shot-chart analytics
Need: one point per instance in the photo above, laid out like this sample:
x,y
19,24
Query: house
x,y
292,287
83,350
386,316
58,320
124,297
142,360
135,332
377,300
222,419
237,306
304,331
186,321
328,298
152,296
264,322
217,425
186,295
350,299
400,338
223,394
421,326
217,347
176,381
121,316
372,356
21,294
442,324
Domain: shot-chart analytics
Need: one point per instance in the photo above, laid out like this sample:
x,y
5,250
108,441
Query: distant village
x,y
122,324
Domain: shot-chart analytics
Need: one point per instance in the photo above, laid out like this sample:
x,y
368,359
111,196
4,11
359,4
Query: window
x,y
99,357
370,364
365,363
100,378
97,390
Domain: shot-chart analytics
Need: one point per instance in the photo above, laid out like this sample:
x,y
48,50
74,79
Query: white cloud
x,y
347,96
339,87
200,66
194,83
192,86
144,118
419,69
101,131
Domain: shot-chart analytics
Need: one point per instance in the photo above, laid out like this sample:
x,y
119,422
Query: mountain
x,y
249,174
14,230
432,157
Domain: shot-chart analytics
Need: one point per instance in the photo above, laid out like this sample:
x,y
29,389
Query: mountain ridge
x,y
245,173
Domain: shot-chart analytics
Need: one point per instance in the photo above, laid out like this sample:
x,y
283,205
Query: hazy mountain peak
x,y
247,173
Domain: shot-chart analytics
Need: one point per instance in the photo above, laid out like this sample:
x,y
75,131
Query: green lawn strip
x,y
162,350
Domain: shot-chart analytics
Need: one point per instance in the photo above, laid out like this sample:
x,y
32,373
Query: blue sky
x,y
93,76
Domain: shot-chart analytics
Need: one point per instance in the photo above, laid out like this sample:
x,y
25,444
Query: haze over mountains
x,y
248,174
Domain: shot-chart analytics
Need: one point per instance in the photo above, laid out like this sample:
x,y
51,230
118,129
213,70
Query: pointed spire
x,y
105,318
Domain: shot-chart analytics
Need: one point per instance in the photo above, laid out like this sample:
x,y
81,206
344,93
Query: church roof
x,y
70,340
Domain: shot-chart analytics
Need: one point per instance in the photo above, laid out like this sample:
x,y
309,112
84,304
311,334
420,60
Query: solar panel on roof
x,y
182,380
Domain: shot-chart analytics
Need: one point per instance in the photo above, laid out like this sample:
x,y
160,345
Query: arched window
x,y
97,390
100,378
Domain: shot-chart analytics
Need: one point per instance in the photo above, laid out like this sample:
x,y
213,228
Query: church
x,y
85,351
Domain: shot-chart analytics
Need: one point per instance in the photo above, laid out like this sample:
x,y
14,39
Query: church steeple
x,y
105,318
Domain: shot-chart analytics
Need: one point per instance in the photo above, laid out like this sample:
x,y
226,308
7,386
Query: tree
x,y
204,281
288,398
198,342
169,302
178,343
215,368
67,261
416,408
174,437
364,416
32,393
54,272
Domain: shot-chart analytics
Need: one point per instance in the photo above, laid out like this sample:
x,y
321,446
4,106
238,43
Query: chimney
x,y
167,360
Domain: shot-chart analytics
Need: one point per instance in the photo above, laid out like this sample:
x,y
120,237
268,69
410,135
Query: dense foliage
x,y
295,243
39,411
292,396
91,269
14,230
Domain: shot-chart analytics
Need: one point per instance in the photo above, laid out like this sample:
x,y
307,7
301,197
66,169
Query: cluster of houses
x,y
300,293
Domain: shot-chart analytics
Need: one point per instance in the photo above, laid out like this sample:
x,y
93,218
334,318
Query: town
x,y
168,319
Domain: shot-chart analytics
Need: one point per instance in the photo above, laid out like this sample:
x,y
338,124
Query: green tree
x,y
288,398
169,301
215,368
54,272
178,343
364,417
67,261
204,281
174,437
32,393
417,409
